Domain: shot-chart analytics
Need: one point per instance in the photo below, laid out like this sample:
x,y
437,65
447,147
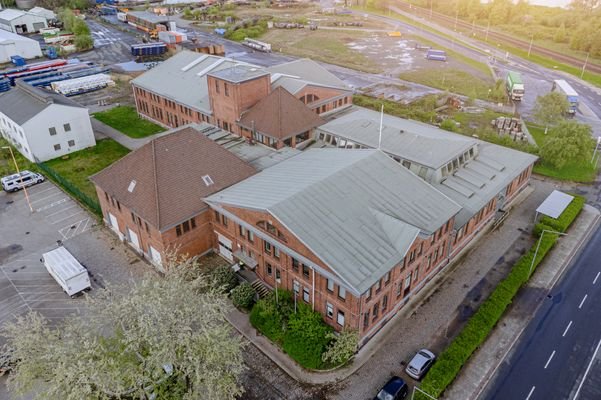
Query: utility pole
x,y
431,8
584,66
530,47
19,173
596,148
456,17
487,29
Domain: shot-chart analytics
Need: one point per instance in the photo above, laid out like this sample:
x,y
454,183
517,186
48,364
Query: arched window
x,y
272,230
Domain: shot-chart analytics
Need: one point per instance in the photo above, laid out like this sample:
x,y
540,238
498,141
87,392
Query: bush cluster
x,y
243,296
251,31
303,334
224,277
484,320
562,223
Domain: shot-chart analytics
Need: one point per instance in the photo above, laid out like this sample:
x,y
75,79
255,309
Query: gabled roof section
x,y
10,13
280,115
357,210
172,174
24,102
294,75
183,78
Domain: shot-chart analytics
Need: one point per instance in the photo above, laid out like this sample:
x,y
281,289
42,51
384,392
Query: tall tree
x,y
560,34
163,336
550,109
569,141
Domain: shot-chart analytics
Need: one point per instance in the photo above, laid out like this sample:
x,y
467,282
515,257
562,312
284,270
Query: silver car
x,y
420,364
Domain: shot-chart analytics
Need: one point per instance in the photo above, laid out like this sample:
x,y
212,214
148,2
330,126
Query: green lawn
x,y
80,165
453,80
577,171
125,119
7,166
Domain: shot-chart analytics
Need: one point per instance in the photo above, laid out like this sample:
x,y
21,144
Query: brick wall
x,y
322,99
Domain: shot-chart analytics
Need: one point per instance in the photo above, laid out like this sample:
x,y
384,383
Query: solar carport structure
x,y
554,204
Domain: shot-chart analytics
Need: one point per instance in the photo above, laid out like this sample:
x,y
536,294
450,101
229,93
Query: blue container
x,y
148,49
18,60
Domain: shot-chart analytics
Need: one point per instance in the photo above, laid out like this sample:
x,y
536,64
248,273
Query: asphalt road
x,y
557,357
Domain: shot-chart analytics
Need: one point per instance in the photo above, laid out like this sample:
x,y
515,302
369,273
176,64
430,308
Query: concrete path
x,y
107,131
481,368
426,316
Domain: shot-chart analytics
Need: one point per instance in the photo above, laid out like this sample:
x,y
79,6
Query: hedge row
x,y
484,320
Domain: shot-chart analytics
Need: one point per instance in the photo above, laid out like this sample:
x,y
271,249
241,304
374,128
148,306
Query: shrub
x,y
224,277
477,329
306,337
449,125
266,318
342,347
243,296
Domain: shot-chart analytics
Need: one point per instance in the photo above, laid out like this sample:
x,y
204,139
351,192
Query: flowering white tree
x,y
162,337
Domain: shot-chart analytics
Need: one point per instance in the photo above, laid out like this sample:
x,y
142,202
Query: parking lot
x,y
24,236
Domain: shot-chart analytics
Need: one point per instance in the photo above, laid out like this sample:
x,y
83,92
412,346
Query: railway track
x,y
450,22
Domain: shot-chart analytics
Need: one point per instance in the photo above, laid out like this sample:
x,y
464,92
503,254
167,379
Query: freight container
x,y
121,16
18,61
566,89
437,55
72,87
172,37
148,49
67,271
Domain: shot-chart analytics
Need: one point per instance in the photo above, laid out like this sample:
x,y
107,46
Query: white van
x,y
12,183
66,270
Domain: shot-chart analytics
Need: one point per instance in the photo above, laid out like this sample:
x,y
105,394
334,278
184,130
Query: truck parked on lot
x,y
66,271
566,89
438,55
514,86
257,45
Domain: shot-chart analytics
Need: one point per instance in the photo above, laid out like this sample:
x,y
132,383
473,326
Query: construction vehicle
x,y
567,90
514,86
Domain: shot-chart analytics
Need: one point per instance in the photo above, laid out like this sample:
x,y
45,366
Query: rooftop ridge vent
x,y
207,180
195,62
211,67
132,186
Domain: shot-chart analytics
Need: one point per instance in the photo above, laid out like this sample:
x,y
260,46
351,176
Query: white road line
x,y
47,197
588,369
567,329
67,217
596,277
583,300
531,391
56,203
41,191
60,211
549,360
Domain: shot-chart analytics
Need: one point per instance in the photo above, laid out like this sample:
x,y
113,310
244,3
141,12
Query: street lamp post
x,y
19,173
540,239
422,392
530,47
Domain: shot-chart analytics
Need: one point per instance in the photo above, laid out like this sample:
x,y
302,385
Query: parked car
x,y
395,389
420,364
12,183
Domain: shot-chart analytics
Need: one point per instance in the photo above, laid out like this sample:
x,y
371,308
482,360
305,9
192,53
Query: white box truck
x,y
67,271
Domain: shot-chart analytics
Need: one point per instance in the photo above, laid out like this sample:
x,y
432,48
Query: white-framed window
x,y
330,285
341,292
340,318
71,143
306,294
407,281
52,130
67,127
57,147
329,310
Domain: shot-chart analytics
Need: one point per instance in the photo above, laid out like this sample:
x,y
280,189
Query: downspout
x,y
313,285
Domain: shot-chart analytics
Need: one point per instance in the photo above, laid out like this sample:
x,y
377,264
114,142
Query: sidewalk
x,y
428,314
481,367
102,129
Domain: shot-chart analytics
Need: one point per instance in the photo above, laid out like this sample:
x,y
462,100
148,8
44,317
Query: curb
x,y
488,377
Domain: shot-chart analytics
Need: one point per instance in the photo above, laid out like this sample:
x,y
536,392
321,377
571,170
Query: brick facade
x,y
324,100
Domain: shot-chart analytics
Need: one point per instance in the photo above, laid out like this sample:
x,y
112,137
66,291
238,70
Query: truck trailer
x,y
567,90
514,86
437,55
67,271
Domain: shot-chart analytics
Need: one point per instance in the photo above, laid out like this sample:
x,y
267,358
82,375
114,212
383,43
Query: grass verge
x,y
479,326
453,80
77,167
125,119
576,171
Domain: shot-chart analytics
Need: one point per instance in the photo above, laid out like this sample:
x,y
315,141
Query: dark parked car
x,y
395,389
420,364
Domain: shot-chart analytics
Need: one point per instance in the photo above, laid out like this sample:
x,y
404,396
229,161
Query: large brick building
x,y
351,232
481,177
152,197
192,88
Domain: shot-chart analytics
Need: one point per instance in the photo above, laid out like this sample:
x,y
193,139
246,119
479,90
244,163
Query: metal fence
x,y
83,198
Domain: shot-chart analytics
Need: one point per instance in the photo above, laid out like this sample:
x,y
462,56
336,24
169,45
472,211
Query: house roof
x,y
150,17
294,75
10,37
472,185
239,73
24,102
183,78
9,14
280,115
357,210
42,12
168,176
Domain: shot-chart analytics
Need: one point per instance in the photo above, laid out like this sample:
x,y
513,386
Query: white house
x,y
44,125
18,21
12,44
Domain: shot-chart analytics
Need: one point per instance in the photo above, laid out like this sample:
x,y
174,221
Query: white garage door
x,y
225,247
133,238
156,256
114,223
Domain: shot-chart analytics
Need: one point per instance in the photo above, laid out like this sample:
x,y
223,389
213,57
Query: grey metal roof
x,y
183,78
411,140
150,17
309,71
10,14
6,36
240,73
292,85
24,102
357,210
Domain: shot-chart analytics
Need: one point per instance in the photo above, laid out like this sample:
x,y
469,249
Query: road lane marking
x,y
583,300
67,217
531,391
47,197
549,360
596,277
588,369
60,211
56,203
567,329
